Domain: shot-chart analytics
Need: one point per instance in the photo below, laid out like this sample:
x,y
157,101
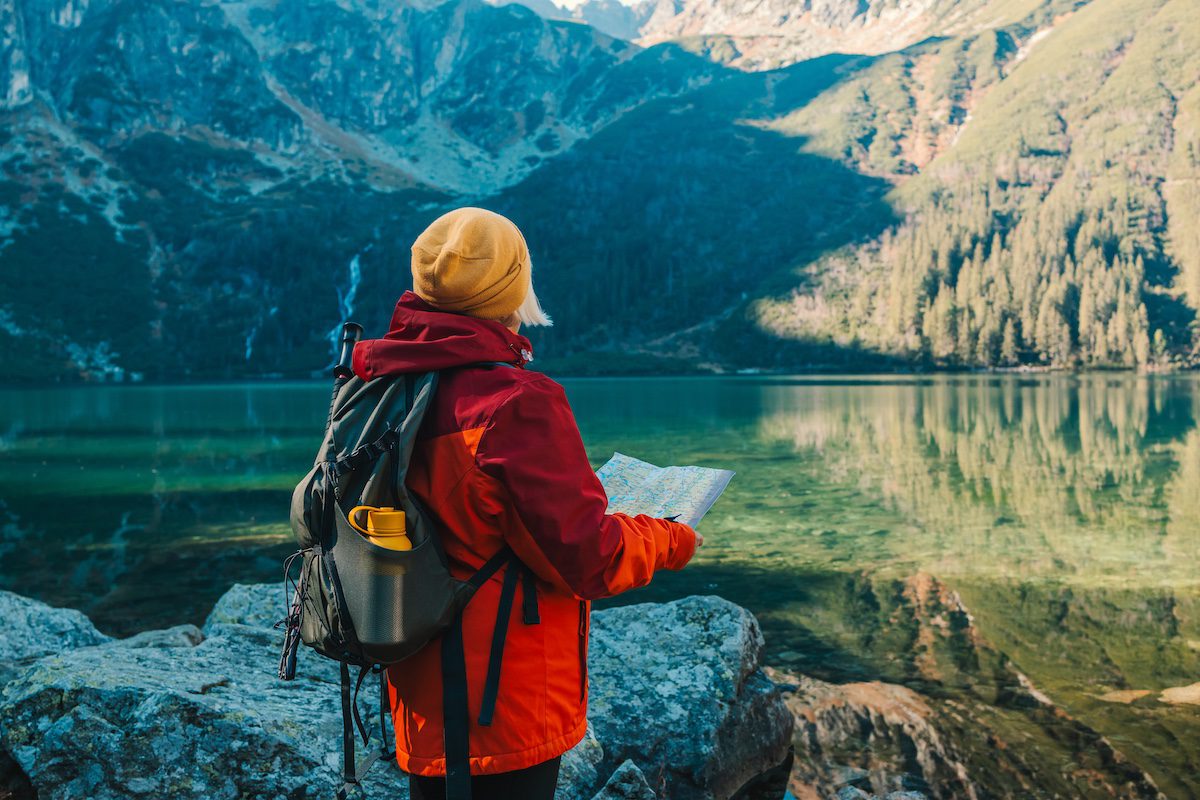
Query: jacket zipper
x,y
583,638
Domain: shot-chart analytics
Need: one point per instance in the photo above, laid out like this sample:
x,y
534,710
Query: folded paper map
x,y
635,487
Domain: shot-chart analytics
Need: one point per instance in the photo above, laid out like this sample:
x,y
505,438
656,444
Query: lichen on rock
x,y
33,629
678,699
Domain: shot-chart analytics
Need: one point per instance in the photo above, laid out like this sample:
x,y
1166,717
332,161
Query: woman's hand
x,y
699,539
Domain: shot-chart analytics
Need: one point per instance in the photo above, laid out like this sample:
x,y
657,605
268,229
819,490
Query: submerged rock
x,y
875,739
858,739
854,793
182,713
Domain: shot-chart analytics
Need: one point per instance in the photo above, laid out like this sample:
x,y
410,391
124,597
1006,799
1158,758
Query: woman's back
x,y
501,468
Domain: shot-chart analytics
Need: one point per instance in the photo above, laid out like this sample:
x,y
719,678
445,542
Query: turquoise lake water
x,y
1060,513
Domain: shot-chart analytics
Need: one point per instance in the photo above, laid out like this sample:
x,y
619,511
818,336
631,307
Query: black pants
x,y
532,783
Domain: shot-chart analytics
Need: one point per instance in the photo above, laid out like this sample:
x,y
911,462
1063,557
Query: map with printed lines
x,y
636,487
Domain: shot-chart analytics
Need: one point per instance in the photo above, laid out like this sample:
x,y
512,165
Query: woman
x,y
500,463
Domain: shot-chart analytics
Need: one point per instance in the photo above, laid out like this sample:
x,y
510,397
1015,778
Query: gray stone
x,y
157,717
579,771
627,783
677,702
33,629
852,793
178,636
676,687
259,604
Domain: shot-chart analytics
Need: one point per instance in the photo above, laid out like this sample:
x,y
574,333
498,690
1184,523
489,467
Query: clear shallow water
x,y
1061,513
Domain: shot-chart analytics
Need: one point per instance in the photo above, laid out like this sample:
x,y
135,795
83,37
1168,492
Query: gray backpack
x,y
367,606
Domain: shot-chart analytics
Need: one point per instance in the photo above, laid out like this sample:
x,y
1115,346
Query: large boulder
x,y
258,604
677,689
676,692
182,713
33,629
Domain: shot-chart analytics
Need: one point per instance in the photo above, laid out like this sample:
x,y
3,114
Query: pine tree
x,y
1008,345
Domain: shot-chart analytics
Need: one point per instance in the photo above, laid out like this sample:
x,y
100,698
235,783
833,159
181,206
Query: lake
x,y
949,532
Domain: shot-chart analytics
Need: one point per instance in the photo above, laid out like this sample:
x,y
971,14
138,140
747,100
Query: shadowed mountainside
x,y
200,191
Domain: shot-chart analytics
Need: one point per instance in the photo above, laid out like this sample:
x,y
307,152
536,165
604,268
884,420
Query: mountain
x,y
768,34
313,86
613,17
204,189
1047,219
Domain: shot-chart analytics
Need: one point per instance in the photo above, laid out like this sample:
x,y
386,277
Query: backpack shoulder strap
x,y
455,713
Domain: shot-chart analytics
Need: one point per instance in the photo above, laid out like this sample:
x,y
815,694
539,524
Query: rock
x,y
889,739
872,736
260,605
627,783
179,636
854,793
1181,695
579,771
33,629
676,688
14,784
172,714
182,713
1125,696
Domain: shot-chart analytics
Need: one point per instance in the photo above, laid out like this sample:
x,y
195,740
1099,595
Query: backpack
x,y
367,606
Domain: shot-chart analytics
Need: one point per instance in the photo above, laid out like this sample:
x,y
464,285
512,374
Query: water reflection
x,y
1088,479
943,532
141,505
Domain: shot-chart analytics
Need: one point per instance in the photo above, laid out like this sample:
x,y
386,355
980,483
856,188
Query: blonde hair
x,y
530,311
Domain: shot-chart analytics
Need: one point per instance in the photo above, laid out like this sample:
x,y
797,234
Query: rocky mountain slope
x,y
206,189
384,92
1044,222
209,172
769,34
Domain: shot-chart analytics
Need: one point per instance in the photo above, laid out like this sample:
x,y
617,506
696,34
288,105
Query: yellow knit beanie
x,y
472,261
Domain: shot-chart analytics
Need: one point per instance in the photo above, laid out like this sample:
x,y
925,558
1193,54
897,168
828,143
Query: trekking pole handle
x,y
351,333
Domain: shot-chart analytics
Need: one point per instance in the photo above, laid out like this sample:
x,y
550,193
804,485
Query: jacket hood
x,y
423,339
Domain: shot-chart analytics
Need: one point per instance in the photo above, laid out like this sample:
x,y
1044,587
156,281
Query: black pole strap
x,y
491,686
490,568
456,713
529,601
385,708
456,716
368,762
362,728
349,776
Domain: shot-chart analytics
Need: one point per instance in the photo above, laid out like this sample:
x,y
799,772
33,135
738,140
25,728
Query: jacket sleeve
x,y
533,448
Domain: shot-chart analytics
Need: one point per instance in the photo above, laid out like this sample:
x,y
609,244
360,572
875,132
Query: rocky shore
x,y
191,712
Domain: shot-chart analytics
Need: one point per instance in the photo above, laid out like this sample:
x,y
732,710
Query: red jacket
x,y
500,461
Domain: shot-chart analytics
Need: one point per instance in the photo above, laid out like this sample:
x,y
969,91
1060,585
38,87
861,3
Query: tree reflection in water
x,y
951,533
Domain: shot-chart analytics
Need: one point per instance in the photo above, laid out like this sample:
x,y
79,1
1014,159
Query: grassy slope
x,y
672,214
1077,136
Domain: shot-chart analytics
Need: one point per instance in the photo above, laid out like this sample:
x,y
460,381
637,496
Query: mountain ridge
x,y
900,209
